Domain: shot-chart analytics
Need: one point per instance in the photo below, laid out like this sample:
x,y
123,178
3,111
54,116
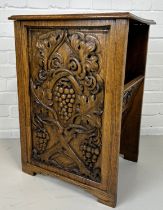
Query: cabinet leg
x,y
27,170
130,131
104,197
131,156
107,203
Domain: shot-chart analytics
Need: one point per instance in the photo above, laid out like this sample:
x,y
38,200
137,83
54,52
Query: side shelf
x,y
130,90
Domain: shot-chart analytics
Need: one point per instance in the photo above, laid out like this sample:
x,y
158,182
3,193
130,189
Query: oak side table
x,y
80,87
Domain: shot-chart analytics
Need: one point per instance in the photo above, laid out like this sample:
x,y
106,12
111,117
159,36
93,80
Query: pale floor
x,y
140,184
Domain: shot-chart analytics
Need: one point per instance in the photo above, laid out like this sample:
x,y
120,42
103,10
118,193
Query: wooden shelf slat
x,y
133,82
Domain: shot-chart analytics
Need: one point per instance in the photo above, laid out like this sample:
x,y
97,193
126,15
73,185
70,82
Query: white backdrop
x,y
152,119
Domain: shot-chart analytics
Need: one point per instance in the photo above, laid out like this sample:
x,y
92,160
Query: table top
x,y
82,16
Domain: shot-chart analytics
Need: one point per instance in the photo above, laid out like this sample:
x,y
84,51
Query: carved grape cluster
x,y
41,140
65,97
90,153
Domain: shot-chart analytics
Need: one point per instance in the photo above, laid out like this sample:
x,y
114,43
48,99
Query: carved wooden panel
x,y
67,100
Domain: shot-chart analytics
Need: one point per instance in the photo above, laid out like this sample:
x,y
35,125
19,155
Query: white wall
x,y
152,120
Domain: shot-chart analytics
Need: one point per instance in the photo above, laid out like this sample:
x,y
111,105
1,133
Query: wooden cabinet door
x,y
67,100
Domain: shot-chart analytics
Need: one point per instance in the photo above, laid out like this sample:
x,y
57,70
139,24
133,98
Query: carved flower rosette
x,y
67,103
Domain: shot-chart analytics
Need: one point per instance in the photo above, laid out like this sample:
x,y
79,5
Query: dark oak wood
x,y
80,85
